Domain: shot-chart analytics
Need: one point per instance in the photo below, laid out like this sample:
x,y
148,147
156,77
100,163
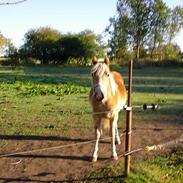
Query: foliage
x,y
78,61
3,43
160,13
171,51
80,47
36,89
49,46
92,43
175,22
69,46
144,28
39,44
118,41
132,22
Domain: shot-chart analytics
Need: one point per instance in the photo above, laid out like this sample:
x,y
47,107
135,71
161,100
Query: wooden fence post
x,y
128,121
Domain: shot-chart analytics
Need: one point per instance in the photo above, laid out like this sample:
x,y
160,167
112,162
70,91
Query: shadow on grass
x,y
43,138
47,75
148,80
157,129
42,79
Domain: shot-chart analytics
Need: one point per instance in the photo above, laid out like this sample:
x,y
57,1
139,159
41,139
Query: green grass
x,y
43,100
44,115
36,100
159,169
156,170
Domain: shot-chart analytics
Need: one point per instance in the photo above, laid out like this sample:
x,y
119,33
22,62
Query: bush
x,y
35,89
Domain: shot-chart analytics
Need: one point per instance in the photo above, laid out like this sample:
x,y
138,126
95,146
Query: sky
x,y
63,15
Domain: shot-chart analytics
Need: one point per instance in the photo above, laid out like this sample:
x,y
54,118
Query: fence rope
x,y
52,148
154,147
147,148
163,145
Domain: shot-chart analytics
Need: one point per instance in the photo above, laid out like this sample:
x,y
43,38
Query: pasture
x,y
46,106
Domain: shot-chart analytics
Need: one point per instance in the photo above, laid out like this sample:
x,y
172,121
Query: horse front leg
x,y
117,135
113,134
97,137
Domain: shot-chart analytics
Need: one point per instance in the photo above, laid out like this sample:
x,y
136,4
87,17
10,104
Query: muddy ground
x,y
73,162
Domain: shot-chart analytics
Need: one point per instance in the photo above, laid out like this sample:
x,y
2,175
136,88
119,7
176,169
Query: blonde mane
x,y
99,69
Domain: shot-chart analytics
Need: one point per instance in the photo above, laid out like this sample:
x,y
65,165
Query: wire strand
x,y
52,148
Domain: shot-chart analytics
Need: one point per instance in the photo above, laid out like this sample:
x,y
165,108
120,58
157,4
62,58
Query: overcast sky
x,y
64,15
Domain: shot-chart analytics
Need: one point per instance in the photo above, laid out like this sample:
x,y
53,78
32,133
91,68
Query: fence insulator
x,y
152,107
150,148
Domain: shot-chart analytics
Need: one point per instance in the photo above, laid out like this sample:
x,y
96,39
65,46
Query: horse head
x,y
100,77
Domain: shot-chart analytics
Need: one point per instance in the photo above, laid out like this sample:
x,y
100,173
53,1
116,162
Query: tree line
x,y
140,29
49,46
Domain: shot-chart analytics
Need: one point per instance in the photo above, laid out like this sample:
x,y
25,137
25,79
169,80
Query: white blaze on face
x,y
103,89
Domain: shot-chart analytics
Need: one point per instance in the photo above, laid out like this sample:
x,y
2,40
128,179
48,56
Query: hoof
x,y
94,159
115,158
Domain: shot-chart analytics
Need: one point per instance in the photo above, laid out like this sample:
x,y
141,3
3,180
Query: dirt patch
x,y
64,164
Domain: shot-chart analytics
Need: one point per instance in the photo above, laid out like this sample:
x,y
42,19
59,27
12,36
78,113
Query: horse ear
x,y
106,60
94,61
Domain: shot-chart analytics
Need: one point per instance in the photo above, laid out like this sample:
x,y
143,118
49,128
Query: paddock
x,y
66,144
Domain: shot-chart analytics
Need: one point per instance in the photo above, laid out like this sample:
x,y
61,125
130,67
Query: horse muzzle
x,y
99,97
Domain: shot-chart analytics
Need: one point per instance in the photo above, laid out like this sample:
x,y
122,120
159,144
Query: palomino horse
x,y
107,98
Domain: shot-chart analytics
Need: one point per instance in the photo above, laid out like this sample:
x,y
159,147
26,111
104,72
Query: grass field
x,y
57,97
50,100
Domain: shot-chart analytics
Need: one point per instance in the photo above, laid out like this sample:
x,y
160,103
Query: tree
x,y
171,51
175,22
39,44
80,46
3,43
143,27
49,46
160,13
12,51
118,42
138,14
92,44
69,46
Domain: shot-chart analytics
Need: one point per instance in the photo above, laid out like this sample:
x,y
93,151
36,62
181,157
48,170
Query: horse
x,y
107,97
